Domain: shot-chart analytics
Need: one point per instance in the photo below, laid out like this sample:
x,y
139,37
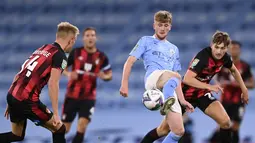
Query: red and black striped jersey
x,y
87,65
35,72
232,91
206,67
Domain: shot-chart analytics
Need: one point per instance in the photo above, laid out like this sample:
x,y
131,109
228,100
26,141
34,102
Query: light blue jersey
x,y
156,55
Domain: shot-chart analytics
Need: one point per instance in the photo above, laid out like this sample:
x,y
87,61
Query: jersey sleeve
x,y
228,62
59,61
106,66
139,49
177,64
70,59
199,62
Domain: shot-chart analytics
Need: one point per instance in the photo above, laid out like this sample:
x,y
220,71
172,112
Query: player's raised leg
x,y
222,118
168,82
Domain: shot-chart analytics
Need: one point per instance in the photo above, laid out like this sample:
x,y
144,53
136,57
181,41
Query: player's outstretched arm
x,y
190,79
125,75
238,78
53,85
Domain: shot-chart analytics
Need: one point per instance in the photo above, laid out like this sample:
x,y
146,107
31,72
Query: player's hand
x,y
124,90
245,96
56,120
215,88
6,113
101,75
188,106
73,75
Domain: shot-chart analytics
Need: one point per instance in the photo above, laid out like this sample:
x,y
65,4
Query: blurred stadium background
x,y
27,24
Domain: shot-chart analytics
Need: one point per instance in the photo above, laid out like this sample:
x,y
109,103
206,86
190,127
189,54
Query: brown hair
x,y
89,28
163,16
221,37
65,28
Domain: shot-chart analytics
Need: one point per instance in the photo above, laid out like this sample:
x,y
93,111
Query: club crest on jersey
x,y
97,61
194,63
64,64
172,52
87,67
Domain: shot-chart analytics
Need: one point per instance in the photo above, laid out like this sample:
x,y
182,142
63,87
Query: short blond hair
x,y
221,37
65,28
163,16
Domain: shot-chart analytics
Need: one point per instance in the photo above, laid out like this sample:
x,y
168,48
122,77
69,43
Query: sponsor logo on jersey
x,y
194,63
64,64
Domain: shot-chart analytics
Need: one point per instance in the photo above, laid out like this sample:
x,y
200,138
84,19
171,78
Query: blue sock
x,y
170,86
171,138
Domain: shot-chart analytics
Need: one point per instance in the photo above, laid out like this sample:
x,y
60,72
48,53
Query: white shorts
x,y
151,83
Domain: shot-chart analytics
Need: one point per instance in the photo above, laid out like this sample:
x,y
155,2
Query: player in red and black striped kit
x,y
87,64
230,98
197,90
44,66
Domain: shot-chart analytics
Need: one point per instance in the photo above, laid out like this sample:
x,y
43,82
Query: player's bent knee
x,y
179,132
177,75
82,124
225,123
82,128
62,129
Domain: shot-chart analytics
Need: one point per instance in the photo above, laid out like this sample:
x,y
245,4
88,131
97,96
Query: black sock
x,y
151,136
235,136
226,135
59,136
78,138
10,137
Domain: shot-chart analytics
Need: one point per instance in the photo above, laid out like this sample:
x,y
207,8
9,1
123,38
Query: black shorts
x,y
85,108
202,102
235,111
37,112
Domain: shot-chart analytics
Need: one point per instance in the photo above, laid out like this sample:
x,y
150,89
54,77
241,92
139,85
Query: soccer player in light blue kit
x,y
161,61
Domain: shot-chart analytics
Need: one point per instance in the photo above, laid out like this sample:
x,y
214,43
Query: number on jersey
x,y
29,64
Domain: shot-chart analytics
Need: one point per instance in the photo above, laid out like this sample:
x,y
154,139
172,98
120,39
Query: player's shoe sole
x,y
166,107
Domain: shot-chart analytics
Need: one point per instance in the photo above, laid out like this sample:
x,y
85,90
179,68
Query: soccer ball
x,y
153,99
